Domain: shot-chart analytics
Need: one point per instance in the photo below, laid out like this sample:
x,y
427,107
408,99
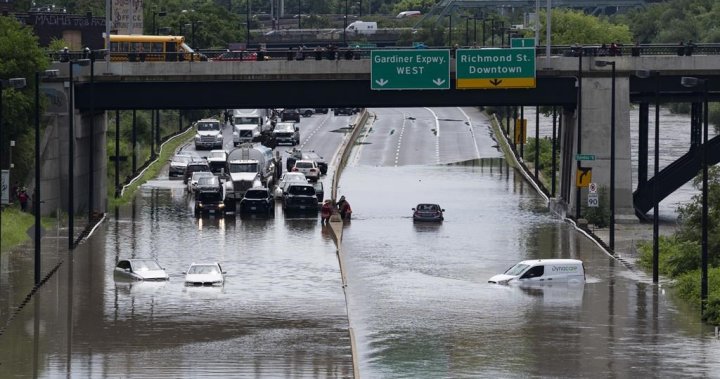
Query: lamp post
x,y
345,23
247,25
154,14
689,81
71,150
91,161
656,201
612,152
450,30
467,30
15,83
36,192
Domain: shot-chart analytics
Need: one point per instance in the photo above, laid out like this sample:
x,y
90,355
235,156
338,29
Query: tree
x,y
570,27
20,56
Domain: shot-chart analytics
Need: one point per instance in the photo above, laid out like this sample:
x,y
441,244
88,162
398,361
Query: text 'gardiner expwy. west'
x,y
419,58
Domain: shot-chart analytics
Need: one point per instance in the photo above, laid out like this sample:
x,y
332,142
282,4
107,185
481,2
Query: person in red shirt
x,y
23,199
325,212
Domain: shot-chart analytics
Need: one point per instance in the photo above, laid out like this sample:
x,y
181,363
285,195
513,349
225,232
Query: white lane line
x,y
317,127
437,136
399,143
477,150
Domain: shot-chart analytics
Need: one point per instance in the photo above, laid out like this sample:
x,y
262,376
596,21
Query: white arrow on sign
x,y
439,81
381,82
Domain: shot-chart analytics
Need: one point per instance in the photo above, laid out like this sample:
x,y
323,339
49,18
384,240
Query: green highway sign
x,y
584,157
495,68
410,69
522,42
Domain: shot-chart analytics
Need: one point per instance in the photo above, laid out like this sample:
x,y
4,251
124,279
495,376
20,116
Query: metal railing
x,y
333,52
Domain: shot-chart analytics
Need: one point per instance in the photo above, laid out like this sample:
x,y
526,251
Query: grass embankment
x,y
167,151
15,224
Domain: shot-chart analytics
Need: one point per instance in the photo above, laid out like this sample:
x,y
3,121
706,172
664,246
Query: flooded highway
x,y
417,299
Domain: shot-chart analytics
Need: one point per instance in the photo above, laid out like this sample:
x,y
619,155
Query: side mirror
x,y
443,210
184,272
413,209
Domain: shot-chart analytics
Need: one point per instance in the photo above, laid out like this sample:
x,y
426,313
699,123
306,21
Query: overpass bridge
x,y
561,81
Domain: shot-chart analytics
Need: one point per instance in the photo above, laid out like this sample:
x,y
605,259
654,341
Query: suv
x,y
297,154
209,134
193,167
257,199
209,197
306,112
300,197
309,168
290,114
345,111
286,132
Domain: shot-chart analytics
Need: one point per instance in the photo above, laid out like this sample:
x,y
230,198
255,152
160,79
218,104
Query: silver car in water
x,y
139,269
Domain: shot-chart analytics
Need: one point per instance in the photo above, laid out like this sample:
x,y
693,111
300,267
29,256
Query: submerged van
x,y
543,271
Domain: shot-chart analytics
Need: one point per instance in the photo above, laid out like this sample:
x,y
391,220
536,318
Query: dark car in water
x,y
290,114
257,200
343,111
300,197
428,212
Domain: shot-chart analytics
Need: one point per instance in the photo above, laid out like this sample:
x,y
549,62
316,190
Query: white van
x,y
541,271
408,14
245,133
362,27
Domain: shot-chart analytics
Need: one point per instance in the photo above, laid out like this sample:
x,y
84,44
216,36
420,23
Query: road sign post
x,y
410,69
495,68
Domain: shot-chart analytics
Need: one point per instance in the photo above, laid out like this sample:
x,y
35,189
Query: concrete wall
x,y
54,186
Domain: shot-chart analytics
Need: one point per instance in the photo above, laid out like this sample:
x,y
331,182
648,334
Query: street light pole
x,y
612,152
156,13
71,151
36,191
656,201
688,81
247,25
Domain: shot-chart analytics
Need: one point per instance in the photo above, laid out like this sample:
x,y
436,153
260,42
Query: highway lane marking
x,y
437,136
314,130
400,136
469,121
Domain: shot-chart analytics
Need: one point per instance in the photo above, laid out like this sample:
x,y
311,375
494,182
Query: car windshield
x,y
243,167
182,159
246,121
302,190
208,126
207,181
145,265
517,269
428,207
294,177
203,269
256,194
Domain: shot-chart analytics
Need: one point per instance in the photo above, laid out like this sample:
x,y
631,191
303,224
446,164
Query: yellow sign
x,y
495,83
583,177
520,131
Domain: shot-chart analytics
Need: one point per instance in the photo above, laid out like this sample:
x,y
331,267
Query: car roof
x,y
552,261
428,204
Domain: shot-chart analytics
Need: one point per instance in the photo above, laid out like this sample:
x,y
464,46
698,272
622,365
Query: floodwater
x,y
417,299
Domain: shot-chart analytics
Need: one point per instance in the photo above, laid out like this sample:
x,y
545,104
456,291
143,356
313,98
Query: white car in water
x,y
140,269
205,274
542,271
286,179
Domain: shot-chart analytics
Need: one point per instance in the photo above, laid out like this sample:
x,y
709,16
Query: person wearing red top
x,y
325,212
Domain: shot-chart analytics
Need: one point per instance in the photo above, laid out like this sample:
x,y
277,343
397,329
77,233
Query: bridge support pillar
x,y
54,155
595,140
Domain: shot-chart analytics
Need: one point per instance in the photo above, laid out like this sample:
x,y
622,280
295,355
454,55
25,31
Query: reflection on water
x,y
281,312
420,305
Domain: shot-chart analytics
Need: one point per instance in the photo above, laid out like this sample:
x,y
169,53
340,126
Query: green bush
x,y
675,256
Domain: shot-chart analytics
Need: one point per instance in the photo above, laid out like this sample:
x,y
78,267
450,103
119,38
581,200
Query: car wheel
x,y
308,114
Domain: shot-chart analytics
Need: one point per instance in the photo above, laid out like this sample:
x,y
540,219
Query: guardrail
x,y
319,50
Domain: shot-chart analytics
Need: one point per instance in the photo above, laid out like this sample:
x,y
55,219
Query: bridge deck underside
x,y
559,91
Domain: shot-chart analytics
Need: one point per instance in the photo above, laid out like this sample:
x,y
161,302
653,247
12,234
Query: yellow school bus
x,y
142,48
